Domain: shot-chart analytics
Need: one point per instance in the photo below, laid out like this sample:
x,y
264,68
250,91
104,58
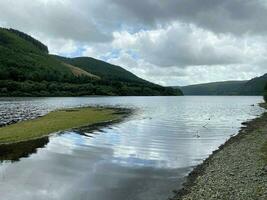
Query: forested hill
x,y
216,88
254,86
102,69
27,69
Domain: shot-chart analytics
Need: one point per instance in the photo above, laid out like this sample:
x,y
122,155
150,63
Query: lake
x,y
144,157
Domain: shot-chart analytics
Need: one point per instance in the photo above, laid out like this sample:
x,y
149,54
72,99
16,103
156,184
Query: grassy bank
x,y
237,170
56,121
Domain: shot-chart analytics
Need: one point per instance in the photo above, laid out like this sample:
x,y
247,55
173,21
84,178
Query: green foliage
x,y
217,88
125,82
35,42
21,60
97,87
254,86
27,70
102,69
265,93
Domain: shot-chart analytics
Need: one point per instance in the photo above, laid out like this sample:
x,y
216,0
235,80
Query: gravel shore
x,y
236,171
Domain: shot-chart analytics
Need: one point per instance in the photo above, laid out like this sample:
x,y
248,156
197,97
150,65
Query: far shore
x,y
60,120
237,170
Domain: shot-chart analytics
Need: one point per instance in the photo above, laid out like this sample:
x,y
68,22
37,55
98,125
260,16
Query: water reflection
x,y
16,151
143,158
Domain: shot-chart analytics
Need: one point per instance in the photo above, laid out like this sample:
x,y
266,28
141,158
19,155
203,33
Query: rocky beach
x,y
237,170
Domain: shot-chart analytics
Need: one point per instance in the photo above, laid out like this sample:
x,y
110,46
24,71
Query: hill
x,y
254,86
27,69
102,69
21,59
216,88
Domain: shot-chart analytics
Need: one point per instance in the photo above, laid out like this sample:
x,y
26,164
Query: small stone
x,y
231,174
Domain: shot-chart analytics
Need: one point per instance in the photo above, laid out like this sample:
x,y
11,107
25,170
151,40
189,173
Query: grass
x,y
80,72
53,122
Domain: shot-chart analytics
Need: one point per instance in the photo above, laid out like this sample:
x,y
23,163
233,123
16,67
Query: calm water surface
x,y
142,158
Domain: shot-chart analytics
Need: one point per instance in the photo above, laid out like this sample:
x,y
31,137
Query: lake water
x,y
144,157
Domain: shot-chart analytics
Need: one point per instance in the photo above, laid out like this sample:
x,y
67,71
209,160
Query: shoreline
x,y
201,183
17,150
108,115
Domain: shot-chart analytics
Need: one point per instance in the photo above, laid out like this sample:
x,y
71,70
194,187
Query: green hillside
x,y
22,60
125,82
254,86
102,69
216,88
26,69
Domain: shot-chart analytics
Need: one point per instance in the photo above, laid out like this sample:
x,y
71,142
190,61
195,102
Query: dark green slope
x,y
216,88
254,86
102,69
21,59
126,82
26,69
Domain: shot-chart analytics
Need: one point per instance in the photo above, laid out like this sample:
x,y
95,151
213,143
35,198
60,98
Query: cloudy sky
x,y
169,42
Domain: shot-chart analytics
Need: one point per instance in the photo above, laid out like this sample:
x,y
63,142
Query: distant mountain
x,y
27,69
216,88
254,86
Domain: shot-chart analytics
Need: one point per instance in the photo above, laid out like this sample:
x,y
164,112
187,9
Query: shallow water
x,y
142,158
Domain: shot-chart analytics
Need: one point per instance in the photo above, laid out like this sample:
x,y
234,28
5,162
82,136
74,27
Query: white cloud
x,y
183,54
166,42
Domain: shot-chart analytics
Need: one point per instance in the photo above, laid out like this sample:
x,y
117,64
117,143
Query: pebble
x,y
237,171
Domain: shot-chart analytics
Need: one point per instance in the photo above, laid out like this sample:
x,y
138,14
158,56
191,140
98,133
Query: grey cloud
x,y
183,45
190,75
56,19
94,21
233,16
185,40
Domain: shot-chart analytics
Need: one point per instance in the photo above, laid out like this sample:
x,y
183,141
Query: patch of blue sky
x,y
78,52
114,53
133,54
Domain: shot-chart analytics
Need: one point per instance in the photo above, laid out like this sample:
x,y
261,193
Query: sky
x,y
168,42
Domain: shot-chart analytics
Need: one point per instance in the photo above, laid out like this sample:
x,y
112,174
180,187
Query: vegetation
x,y
217,88
35,42
54,122
102,69
15,151
26,69
21,60
265,93
254,86
45,88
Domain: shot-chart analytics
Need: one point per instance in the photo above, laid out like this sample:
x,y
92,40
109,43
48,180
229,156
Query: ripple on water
x,y
143,158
